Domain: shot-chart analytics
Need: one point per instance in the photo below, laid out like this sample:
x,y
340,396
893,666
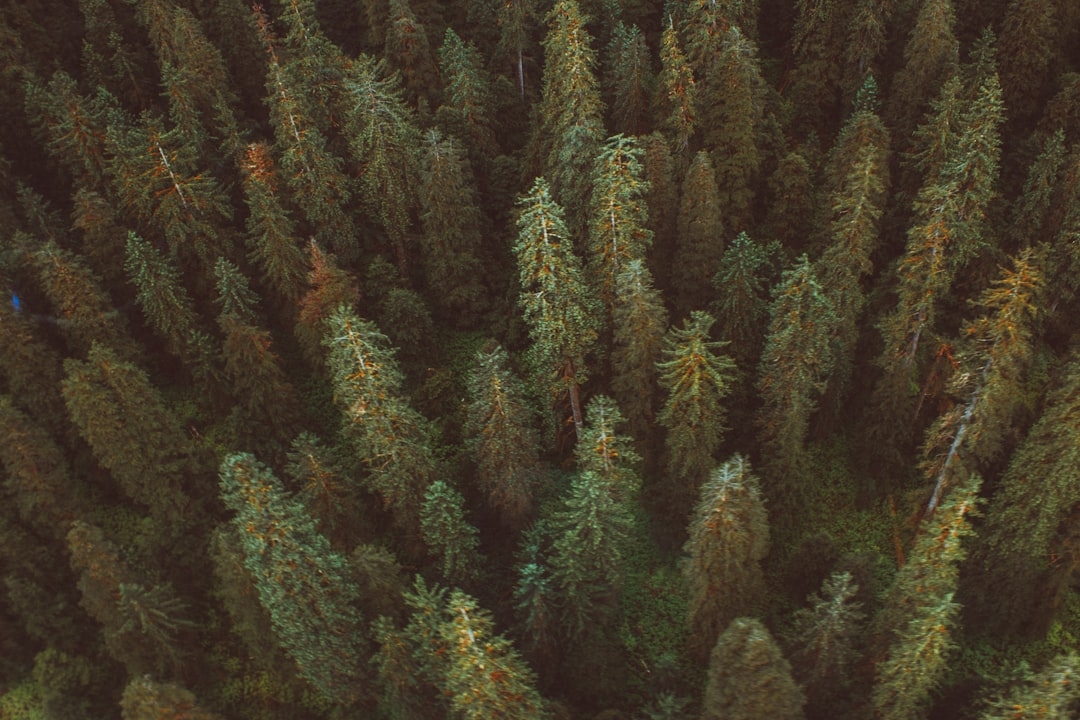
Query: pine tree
x,y
504,439
322,484
103,240
571,126
677,93
1032,210
1030,38
920,613
618,217
825,634
699,244
866,43
697,380
409,52
795,366
629,80
535,598
452,230
749,677
639,321
32,372
140,623
301,582
272,241
729,536
1052,694
388,436
741,304
328,288
448,534
145,699
467,98
558,306
124,419
515,19
73,124
602,450
590,533
818,40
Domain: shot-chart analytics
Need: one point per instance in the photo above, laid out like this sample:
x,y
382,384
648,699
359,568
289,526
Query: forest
x,y
540,359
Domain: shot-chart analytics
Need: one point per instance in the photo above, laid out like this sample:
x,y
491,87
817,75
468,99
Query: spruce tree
x,y
618,217
1053,694
602,450
795,366
322,485
448,534
571,126
389,437
467,102
328,288
697,380
409,52
629,80
699,244
729,536
749,678
558,305
825,634
1030,38
503,437
639,321
73,124
677,93
741,301
301,582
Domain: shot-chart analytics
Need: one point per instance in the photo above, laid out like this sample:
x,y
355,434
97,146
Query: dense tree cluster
x,y
539,359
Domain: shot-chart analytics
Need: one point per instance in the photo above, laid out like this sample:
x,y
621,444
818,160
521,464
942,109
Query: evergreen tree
x,y
124,419
145,699
677,94
301,582
662,199
515,19
571,126
103,240
32,372
866,44
467,98
630,80
795,366
328,288
696,379
920,613
590,533
73,125
825,634
388,436
558,305
409,52
323,485
601,450
729,536
700,239
452,230
448,534
272,242
749,677
535,599
618,220
1030,38
1032,210
1052,694
741,304
818,46
639,321
504,439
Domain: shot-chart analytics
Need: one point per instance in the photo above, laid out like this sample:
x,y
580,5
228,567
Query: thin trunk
x,y
575,397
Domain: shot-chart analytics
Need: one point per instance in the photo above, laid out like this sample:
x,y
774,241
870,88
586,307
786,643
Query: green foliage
x,y
38,476
467,91
699,244
235,298
329,287
729,536
629,80
503,437
825,634
749,678
145,699
322,484
741,300
601,450
697,379
448,534
1052,694
301,582
678,116
639,320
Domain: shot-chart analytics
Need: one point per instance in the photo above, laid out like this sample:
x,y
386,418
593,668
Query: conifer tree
x,y
920,614
825,634
145,699
749,677
124,419
1032,210
677,93
639,321
389,437
408,51
866,43
629,80
301,582
699,244
328,288
1052,694
32,372
729,536
322,484
38,475
536,599
618,217
448,534
571,126
452,230
590,534
795,365
558,305
603,451
383,141
515,21
74,125
662,199
272,241
103,240
467,98
817,42
697,380
741,303
504,440
139,623
1030,38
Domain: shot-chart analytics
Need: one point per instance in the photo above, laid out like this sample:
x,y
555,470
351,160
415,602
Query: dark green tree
x,y
629,80
1030,38
328,288
145,699
302,583
795,366
639,321
825,634
602,450
676,96
409,52
1052,694
73,125
697,380
504,440
741,301
448,534
699,244
32,372
749,677
1033,209
729,536
558,305
467,100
